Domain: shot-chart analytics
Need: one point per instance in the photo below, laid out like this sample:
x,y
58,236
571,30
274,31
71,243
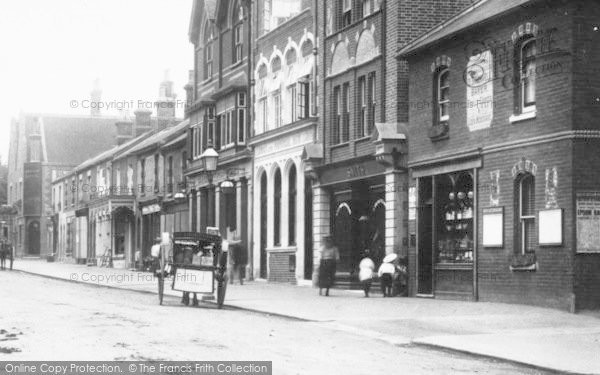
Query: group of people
x,y
392,272
6,252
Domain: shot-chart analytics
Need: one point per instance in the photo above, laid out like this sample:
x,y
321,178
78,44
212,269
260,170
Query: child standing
x,y
365,273
386,276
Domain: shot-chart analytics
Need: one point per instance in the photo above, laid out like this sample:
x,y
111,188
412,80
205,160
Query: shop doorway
x,y
263,226
425,237
308,232
33,237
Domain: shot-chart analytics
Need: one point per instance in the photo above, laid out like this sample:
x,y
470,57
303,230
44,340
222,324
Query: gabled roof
x,y
200,7
156,139
73,139
480,12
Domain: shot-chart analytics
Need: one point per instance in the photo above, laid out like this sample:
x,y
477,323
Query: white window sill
x,y
522,117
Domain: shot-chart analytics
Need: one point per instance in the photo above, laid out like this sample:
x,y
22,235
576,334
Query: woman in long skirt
x,y
330,255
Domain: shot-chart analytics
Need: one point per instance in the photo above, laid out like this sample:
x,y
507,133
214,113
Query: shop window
x,y
525,51
292,206
277,208
454,221
525,213
442,93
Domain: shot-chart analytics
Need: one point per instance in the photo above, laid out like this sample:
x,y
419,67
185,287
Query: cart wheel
x,y
221,289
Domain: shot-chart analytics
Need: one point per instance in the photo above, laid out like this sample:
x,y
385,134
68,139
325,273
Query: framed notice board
x,y
493,227
588,222
550,227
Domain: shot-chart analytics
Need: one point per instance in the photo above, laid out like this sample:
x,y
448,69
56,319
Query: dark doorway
x,y
344,236
33,237
308,233
263,226
425,237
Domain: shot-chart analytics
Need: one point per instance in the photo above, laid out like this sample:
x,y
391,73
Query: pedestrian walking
x,y
386,274
330,255
236,256
366,270
11,253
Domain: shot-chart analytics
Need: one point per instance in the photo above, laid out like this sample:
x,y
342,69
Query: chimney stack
x,y
143,121
165,105
95,98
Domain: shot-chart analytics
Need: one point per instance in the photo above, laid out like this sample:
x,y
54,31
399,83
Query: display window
x,y
454,218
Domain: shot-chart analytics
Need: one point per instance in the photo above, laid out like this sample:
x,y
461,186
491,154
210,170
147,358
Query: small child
x,y
365,273
386,277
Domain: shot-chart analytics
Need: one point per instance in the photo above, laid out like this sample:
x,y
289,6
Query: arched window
x,y
525,53
209,36
524,213
291,56
442,95
262,71
238,31
292,206
276,65
307,48
277,207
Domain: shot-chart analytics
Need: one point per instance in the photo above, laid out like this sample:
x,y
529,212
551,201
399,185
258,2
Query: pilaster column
x,y
238,207
256,224
285,208
396,211
218,209
190,211
270,216
321,223
300,230
250,230
198,212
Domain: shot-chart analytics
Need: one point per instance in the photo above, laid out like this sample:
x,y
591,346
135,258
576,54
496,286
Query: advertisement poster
x,y
480,91
588,222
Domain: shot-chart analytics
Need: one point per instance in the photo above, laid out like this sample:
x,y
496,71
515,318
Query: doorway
x,y
263,226
33,237
425,237
308,230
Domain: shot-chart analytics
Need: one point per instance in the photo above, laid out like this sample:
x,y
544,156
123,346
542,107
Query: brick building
x,y
503,139
43,147
219,117
285,121
358,163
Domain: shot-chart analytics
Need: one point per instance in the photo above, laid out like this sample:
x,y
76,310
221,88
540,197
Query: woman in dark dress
x,y
330,255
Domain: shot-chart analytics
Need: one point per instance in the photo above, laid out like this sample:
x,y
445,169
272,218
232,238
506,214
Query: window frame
x,y
276,101
524,76
525,225
440,102
362,107
345,128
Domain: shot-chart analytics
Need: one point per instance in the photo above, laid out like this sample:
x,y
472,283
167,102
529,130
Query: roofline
x,y
410,48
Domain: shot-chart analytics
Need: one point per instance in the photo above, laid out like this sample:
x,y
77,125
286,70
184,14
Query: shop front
x,y
150,227
446,229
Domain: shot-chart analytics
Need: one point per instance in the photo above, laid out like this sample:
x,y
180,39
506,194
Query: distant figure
x,y
3,255
386,277
330,255
365,273
236,256
11,254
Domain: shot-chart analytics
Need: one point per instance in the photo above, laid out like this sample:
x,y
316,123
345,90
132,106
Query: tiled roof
x,y
71,140
157,139
479,12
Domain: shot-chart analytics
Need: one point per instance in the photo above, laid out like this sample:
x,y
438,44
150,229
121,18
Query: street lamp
x,y
209,161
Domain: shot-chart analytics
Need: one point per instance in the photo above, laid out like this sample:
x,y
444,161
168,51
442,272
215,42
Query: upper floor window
x,y
238,31
209,37
367,7
156,171
371,101
226,122
345,13
276,101
293,102
525,217
241,117
276,12
304,98
526,52
336,114
276,65
183,160
346,113
361,130
442,94
170,174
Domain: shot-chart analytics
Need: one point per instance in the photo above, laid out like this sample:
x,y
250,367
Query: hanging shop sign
x,y
493,227
588,222
480,91
146,210
550,227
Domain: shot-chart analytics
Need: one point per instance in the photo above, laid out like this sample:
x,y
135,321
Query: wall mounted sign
x,y
150,209
588,222
412,203
480,91
550,227
551,185
493,227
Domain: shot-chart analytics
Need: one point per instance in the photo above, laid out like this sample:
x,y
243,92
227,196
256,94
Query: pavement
x,y
545,339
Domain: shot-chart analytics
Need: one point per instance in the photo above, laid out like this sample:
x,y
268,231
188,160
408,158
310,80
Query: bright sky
x,y
53,51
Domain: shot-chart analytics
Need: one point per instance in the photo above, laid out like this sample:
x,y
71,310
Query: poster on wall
x,y
480,91
588,222
550,227
493,227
